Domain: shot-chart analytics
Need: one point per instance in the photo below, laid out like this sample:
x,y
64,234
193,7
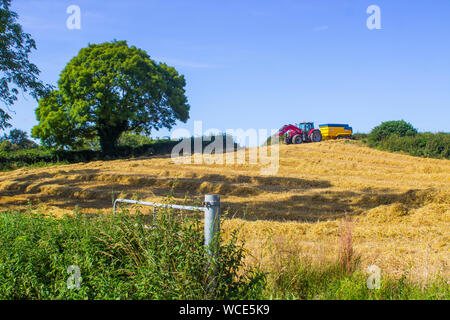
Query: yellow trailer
x,y
335,131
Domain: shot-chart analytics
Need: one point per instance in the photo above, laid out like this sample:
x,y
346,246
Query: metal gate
x,y
211,211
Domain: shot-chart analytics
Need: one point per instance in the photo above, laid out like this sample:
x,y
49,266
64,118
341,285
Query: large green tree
x,y
108,89
16,71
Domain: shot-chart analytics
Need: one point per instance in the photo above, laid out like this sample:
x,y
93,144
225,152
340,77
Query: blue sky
x,y
263,64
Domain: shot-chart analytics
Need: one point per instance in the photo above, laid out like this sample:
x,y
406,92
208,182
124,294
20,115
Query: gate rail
x,y
211,211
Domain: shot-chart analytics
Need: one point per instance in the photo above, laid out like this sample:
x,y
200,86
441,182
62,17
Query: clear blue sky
x,y
263,64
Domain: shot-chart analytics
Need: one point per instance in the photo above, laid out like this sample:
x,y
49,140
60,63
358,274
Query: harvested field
x,y
399,204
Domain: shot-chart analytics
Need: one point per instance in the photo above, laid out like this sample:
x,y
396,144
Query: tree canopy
x,y
108,89
17,139
16,71
400,128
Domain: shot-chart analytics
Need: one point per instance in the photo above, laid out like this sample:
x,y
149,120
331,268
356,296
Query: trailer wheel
x,y
316,136
297,139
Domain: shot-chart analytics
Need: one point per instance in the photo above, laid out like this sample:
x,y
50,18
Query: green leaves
x,y
16,71
108,89
118,258
401,136
384,130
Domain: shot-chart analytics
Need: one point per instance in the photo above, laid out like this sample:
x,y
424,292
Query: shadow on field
x,y
324,205
243,196
61,188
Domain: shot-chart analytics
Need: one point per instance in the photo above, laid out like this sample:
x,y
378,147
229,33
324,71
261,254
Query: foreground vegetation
x,y
120,259
296,276
303,280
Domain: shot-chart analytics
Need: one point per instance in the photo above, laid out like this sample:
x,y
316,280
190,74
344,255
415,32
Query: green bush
x,y
118,259
360,136
400,136
430,145
26,157
6,145
384,130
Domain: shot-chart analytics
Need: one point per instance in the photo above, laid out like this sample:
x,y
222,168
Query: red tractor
x,y
305,132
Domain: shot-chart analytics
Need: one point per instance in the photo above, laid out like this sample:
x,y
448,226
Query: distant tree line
x,y
16,150
16,140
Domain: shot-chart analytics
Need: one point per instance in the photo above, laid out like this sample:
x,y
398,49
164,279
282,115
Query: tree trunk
x,y
108,141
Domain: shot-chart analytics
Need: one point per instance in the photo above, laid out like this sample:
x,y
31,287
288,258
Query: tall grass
x,y
295,276
348,259
118,259
302,279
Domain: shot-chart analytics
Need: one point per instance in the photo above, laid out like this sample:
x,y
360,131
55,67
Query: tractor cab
x,y
303,132
306,126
